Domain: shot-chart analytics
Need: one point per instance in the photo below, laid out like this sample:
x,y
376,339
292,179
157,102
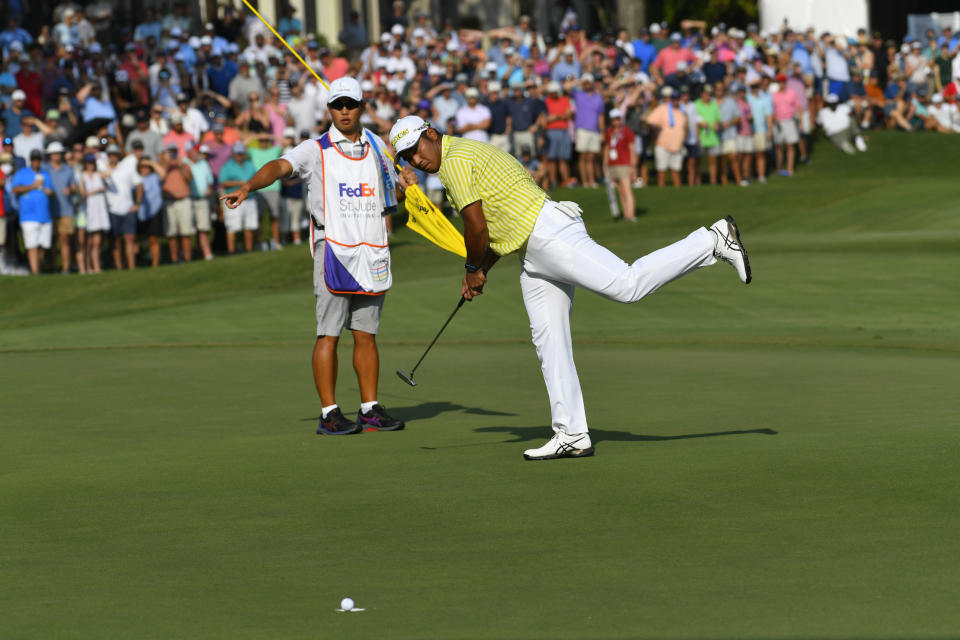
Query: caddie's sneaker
x,y
562,445
337,424
377,418
730,249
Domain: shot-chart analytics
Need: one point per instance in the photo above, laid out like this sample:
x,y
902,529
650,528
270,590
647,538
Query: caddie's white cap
x,y
615,113
345,87
406,132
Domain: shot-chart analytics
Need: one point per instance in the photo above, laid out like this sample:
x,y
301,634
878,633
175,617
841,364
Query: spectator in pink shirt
x,y
665,63
177,136
786,105
797,83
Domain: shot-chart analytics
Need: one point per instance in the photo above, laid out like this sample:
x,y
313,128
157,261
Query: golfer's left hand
x,y
407,177
473,285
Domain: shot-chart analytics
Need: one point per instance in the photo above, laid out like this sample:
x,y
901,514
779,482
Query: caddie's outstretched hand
x,y
234,198
407,177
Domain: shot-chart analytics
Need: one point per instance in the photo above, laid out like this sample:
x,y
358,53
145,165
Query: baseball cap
x,y
615,113
397,30
781,77
8,140
92,142
494,87
423,104
367,85
655,28
345,87
218,126
204,149
176,118
53,114
136,144
239,147
182,97
553,87
55,147
833,98
18,95
667,92
569,50
90,158
675,37
121,76
206,41
936,98
113,150
289,132
175,32
36,154
406,132
471,92
587,77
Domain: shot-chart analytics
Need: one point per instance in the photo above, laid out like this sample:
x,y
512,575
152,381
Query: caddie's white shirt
x,y
477,114
834,120
306,163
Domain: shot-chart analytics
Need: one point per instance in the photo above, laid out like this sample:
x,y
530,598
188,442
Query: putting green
x,y
773,461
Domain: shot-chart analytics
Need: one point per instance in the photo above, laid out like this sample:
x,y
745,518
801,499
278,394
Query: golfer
x,y
351,185
503,212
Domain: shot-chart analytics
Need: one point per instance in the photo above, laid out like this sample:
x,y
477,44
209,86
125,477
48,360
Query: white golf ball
x,y
346,604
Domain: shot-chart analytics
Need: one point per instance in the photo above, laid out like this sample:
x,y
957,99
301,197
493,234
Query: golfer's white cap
x,y
345,87
406,132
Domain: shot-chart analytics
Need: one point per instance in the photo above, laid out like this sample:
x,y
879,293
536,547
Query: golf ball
x,y
346,604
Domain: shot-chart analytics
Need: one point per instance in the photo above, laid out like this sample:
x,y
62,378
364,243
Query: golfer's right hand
x,y
407,177
473,285
234,198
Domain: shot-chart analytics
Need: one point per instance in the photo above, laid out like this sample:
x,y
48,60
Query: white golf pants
x,y
560,256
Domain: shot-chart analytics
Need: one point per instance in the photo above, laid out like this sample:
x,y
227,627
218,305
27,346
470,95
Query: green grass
x,y
773,461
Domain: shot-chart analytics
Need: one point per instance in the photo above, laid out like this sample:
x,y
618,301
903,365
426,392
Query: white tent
x,y
836,16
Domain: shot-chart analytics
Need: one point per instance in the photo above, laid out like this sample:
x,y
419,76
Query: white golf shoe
x,y
562,445
730,249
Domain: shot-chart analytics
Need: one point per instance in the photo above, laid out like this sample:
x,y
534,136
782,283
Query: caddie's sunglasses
x,y
338,105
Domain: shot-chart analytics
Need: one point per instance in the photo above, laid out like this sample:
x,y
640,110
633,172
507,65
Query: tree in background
x,y
732,12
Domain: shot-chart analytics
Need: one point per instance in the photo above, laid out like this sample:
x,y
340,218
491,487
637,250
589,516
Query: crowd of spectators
x,y
133,134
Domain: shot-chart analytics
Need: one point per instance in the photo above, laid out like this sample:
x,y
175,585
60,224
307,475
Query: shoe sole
x,y
743,249
326,432
578,453
371,428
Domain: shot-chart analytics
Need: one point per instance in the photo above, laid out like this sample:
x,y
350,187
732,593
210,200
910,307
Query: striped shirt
x,y
511,200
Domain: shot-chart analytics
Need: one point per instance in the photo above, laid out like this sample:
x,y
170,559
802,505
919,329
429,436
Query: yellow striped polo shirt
x,y
511,200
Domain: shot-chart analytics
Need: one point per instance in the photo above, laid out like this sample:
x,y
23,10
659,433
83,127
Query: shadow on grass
x,y
527,434
428,410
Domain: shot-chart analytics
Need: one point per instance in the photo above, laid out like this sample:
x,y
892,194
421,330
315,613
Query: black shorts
x,y
152,226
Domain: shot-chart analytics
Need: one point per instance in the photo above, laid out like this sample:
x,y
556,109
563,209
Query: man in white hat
x,y
504,212
350,185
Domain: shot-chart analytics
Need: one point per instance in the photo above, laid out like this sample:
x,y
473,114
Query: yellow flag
x,y
429,222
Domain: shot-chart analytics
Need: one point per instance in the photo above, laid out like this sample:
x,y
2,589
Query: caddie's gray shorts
x,y
335,311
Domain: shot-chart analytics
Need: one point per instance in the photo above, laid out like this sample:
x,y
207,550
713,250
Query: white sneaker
x,y
730,249
562,445
861,144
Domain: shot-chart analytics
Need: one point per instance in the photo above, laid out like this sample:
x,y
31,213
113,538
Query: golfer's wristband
x,y
471,268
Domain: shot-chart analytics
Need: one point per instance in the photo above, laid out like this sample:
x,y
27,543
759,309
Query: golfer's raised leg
x,y
560,248
549,305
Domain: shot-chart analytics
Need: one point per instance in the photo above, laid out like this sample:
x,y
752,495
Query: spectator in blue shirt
x,y
13,33
221,72
567,67
524,112
33,188
13,115
149,27
61,204
644,50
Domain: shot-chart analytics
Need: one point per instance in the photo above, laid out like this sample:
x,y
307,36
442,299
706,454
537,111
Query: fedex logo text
x,y
363,190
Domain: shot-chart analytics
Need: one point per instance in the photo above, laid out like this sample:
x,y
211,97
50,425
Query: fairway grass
x,y
773,461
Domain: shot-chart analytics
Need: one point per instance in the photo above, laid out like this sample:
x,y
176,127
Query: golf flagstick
x,y
424,217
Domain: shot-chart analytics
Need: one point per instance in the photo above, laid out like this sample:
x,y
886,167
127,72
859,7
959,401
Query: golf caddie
x,y
351,184
504,212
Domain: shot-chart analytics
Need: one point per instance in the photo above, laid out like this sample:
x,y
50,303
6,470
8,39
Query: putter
x,y
409,378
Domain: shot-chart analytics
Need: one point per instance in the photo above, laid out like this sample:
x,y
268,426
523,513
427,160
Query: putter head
x,y
408,379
